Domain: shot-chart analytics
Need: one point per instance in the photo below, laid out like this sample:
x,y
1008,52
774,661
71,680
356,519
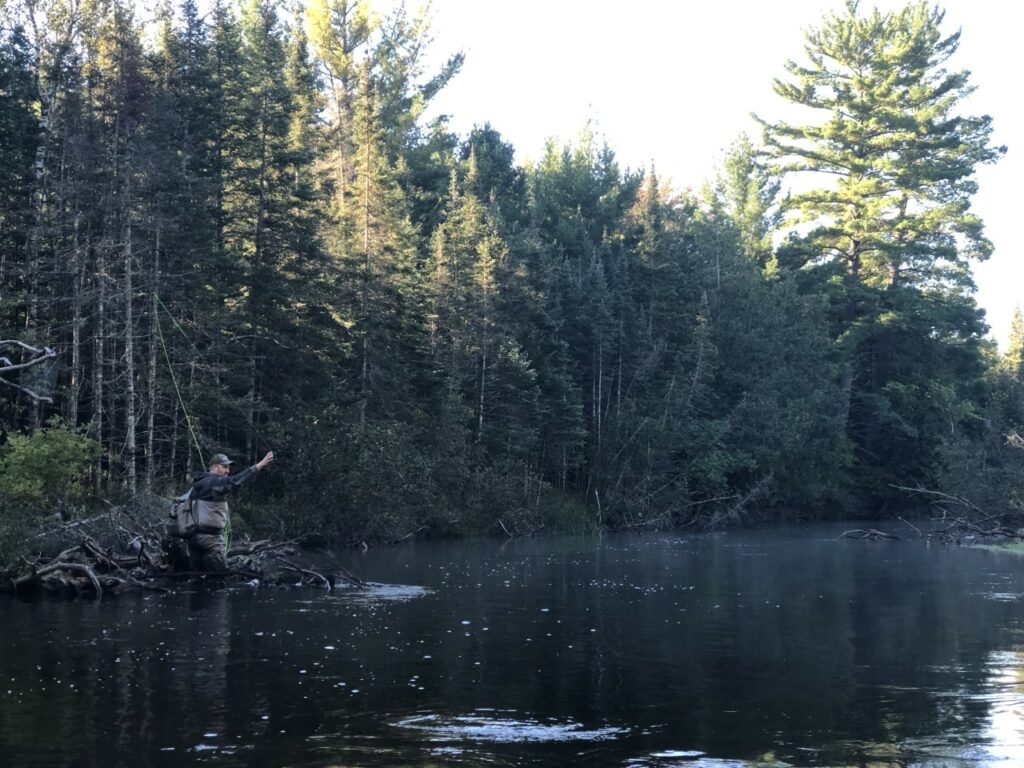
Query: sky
x,y
674,82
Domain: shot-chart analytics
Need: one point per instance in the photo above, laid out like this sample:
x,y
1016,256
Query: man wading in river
x,y
209,495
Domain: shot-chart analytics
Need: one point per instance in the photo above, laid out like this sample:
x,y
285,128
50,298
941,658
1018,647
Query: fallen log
x,y
38,574
869,534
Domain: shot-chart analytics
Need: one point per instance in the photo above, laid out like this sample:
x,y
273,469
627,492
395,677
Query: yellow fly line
x,y
177,390
170,369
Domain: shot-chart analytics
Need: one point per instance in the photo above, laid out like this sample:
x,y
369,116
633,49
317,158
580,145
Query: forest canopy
x,y
236,230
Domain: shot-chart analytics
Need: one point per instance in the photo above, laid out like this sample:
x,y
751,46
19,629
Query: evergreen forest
x,y
237,228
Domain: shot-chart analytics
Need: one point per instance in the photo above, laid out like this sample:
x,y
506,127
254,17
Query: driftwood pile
x,y
127,550
953,520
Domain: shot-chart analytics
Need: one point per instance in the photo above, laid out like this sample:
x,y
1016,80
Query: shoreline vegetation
x,y
237,231
127,551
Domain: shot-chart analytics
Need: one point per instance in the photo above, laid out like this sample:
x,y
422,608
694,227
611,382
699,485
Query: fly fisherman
x,y
209,495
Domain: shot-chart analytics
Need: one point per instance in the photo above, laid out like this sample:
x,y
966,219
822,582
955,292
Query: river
x,y
764,647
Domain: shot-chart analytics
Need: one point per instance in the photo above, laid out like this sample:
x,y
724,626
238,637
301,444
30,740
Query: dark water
x,y
769,647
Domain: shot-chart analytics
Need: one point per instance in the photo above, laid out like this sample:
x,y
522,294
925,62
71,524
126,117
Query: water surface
x,y
770,647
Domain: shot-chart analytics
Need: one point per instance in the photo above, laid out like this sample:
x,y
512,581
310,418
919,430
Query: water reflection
x,y
1004,733
762,648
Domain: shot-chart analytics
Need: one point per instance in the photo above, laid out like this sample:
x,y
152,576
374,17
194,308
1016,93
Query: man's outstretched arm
x,y
231,482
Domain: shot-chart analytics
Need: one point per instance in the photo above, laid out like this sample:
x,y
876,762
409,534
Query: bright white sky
x,y
675,81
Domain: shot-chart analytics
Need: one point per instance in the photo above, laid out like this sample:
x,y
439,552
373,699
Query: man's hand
x,y
265,460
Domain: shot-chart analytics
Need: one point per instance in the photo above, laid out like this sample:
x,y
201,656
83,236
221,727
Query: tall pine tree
x,y
888,231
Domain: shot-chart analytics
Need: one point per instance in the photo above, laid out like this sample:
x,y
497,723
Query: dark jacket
x,y
209,495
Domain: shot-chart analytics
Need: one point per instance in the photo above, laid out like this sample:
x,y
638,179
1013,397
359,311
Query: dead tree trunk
x,y
98,359
151,395
130,447
76,323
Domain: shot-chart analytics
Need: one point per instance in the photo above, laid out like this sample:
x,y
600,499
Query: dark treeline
x,y
238,232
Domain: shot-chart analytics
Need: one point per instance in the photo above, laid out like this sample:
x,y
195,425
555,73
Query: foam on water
x,y
492,728
383,593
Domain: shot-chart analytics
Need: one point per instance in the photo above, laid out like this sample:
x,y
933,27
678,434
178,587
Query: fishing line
x,y
177,390
173,319
174,379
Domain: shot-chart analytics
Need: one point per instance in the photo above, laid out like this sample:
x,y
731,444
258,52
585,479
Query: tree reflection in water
x,y
765,647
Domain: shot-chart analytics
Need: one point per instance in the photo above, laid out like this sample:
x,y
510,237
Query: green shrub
x,y
45,472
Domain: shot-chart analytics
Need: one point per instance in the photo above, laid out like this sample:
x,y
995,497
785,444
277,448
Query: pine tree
x,y
1013,360
18,135
470,336
1012,370
890,234
378,255
266,207
351,41
578,199
499,181
746,194
890,137
18,131
184,159
340,30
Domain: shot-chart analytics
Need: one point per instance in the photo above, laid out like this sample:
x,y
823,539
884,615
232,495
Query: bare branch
x,y
22,345
939,496
29,392
306,572
38,356
912,526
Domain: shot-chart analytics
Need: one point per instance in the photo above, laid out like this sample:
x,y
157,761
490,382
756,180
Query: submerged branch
x,y
869,534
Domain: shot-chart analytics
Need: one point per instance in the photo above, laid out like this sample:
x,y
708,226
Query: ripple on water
x,y
689,758
1002,597
492,727
383,593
